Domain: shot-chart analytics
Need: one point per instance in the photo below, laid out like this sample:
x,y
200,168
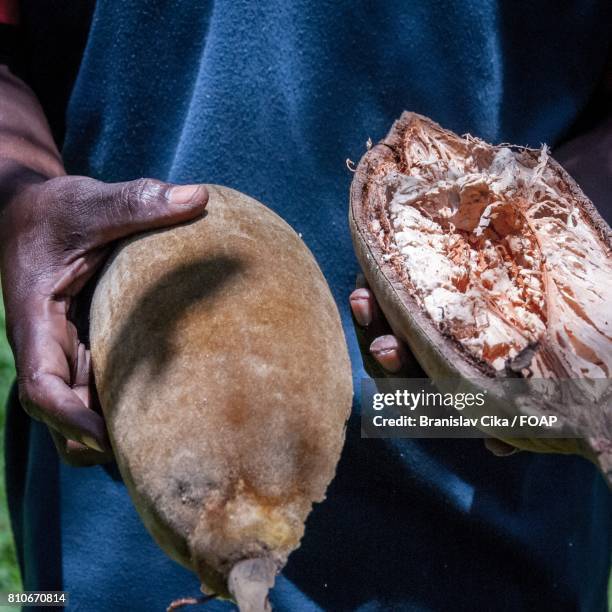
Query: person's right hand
x,y
54,234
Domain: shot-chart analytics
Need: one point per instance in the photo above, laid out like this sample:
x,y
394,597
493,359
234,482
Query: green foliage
x,y
9,572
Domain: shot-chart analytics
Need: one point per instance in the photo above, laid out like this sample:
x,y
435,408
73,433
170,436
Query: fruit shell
x,y
442,357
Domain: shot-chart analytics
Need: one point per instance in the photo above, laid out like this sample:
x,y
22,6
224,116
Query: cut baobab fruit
x,y
491,263
225,382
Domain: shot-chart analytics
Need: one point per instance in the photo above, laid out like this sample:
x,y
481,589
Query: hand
x,y
384,354
54,234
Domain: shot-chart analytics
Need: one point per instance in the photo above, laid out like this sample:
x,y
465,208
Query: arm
x,y
55,232
26,145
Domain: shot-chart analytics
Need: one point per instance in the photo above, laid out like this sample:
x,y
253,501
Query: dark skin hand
x,y
55,233
588,158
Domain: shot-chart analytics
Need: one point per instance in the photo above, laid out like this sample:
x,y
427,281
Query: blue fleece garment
x,y
270,98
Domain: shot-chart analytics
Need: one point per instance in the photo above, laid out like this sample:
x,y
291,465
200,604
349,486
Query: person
x,y
270,98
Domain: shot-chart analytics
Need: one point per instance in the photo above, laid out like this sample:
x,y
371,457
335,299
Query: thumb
x,y
135,206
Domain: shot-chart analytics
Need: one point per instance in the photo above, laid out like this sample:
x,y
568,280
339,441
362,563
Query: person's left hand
x,y
384,354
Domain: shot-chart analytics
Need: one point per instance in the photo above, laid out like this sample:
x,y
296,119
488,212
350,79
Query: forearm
x,y
27,149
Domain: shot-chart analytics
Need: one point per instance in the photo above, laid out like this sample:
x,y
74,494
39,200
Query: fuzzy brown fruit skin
x,y
225,382
441,356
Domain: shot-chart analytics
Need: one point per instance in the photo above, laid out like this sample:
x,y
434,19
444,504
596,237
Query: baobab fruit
x,y
224,378
492,264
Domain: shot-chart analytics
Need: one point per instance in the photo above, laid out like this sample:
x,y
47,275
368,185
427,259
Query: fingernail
x,y
386,352
92,443
361,305
185,194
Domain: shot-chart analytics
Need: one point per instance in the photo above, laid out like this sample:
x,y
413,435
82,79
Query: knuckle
x,y
139,194
127,203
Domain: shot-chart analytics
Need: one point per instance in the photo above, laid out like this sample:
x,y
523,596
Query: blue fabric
x,y
271,97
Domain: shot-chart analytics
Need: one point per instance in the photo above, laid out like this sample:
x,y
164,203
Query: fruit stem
x,y
249,583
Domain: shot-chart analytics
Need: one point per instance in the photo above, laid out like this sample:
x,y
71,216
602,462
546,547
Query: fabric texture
x,y
270,98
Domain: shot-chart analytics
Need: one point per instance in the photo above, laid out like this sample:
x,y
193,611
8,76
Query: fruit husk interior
x,y
439,352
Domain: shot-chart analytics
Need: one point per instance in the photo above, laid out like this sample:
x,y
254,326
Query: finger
x,y
77,455
500,448
367,313
81,376
77,273
389,353
50,360
48,398
116,210
371,324
362,305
